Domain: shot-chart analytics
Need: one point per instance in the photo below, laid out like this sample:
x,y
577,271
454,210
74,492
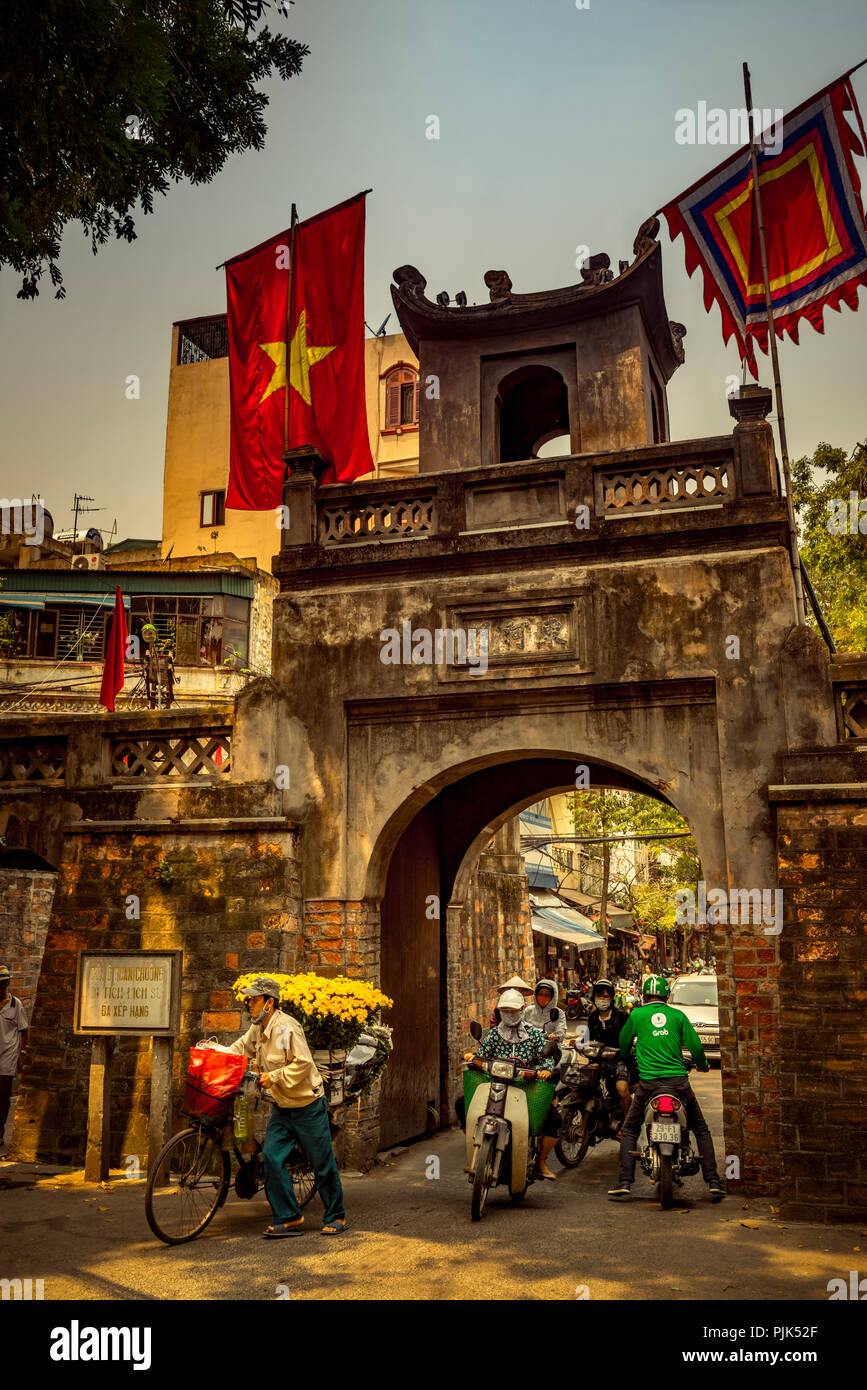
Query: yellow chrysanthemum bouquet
x,y
333,1013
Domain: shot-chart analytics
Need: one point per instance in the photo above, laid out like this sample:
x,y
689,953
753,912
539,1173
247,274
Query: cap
x,y
517,983
510,999
263,984
5,973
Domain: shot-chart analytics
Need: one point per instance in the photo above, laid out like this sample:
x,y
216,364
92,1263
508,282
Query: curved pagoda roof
x,y
600,291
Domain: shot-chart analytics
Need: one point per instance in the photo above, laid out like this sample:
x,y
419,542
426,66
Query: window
x,y
532,410
205,630
401,398
212,509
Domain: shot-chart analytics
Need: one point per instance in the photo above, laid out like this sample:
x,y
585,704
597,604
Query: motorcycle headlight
x,y
502,1068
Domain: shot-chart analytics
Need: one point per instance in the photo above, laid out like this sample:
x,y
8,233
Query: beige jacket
x,y
280,1048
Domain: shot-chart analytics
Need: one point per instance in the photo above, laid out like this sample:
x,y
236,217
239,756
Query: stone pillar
x,y
299,495
755,461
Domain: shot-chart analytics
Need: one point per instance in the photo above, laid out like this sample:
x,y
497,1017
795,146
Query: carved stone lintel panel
x,y
517,634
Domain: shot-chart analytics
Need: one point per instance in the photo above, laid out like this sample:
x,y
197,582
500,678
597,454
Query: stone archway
x,y
435,968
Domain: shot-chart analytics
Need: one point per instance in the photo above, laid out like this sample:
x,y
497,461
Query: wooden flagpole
x,y
772,348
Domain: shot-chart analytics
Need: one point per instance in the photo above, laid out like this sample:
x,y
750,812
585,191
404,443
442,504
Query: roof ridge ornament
x,y
499,285
595,270
646,238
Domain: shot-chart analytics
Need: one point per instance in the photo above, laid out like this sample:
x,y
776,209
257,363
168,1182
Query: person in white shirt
x,y
13,1043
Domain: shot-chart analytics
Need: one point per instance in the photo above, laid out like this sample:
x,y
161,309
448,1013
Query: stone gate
x,y
636,602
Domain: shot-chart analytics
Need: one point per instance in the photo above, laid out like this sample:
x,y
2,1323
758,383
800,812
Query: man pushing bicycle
x,y
287,1073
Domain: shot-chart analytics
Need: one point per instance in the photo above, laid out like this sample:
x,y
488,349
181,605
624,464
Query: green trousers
x,y
308,1127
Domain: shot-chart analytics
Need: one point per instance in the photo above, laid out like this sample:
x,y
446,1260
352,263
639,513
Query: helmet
x,y
510,999
655,987
600,985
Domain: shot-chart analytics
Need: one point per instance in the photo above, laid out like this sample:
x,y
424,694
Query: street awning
x,y
22,601
550,917
13,600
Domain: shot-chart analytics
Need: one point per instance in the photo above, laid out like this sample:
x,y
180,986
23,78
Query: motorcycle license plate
x,y
665,1134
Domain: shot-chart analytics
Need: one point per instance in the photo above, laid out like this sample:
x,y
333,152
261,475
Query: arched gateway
x,y
448,648
629,607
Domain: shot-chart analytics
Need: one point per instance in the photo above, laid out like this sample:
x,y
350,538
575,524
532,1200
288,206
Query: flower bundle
x,y
333,1013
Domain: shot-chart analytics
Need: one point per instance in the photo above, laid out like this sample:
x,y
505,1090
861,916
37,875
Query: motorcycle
x,y
588,1113
501,1112
578,1004
667,1150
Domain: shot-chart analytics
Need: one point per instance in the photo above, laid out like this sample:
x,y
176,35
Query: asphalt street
x,y
411,1237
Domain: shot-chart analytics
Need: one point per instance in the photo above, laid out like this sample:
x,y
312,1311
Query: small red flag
x,y
113,670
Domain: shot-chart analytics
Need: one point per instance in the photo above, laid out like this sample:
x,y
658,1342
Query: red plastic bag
x,y
212,1081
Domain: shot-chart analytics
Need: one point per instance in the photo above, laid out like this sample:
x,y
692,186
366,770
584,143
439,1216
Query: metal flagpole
x,y
772,348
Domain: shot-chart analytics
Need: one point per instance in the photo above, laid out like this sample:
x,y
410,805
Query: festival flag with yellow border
x,y
815,228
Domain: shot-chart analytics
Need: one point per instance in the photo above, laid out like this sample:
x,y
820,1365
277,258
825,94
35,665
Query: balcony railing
x,y
694,476
849,672
202,340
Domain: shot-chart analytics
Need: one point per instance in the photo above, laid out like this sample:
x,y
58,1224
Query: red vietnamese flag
x,y
113,670
326,355
257,289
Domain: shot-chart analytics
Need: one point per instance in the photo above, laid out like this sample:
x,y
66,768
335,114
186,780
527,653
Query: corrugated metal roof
x,y
131,582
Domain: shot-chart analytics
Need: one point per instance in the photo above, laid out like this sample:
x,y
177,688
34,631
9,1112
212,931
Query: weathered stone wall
x,y
230,900
25,907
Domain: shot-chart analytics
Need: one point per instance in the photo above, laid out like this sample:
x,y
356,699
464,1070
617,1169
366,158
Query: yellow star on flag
x,y
302,357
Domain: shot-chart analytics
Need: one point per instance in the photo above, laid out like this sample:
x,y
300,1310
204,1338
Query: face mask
x,y
603,1004
261,1016
510,1017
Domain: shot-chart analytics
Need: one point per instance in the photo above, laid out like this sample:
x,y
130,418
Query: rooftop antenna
x,y
79,510
380,331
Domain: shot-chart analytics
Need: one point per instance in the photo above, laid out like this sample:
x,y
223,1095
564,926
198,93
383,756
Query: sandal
x,y
283,1229
335,1228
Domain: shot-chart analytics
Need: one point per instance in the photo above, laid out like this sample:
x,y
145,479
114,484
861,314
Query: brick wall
x,y
230,900
823,1009
748,973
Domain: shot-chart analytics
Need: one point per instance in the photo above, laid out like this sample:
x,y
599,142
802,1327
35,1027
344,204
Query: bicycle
x,y
190,1180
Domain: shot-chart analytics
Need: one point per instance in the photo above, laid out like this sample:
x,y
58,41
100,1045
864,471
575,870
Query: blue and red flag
x,y
815,230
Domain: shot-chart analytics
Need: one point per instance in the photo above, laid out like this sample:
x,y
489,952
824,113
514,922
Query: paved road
x,y
411,1237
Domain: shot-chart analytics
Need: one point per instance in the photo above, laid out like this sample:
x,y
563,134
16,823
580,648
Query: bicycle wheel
x,y
188,1184
303,1181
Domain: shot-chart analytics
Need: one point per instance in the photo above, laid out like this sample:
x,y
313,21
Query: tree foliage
x,y
836,561
104,103
674,864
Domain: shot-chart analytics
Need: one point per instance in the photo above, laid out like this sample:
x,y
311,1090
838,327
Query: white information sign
x,y
119,992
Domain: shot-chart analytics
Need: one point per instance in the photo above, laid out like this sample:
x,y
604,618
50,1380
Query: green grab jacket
x,y
661,1034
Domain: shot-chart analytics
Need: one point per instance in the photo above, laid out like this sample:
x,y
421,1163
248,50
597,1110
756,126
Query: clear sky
x,y
556,130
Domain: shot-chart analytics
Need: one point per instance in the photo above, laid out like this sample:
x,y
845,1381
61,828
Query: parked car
x,y
696,996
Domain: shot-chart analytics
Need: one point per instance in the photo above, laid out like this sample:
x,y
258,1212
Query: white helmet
x,y
510,999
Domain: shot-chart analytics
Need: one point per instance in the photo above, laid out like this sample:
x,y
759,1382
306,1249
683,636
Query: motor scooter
x,y
667,1149
505,1108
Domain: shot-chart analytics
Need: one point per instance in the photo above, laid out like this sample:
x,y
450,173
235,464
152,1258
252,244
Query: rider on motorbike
x,y
605,1025
662,1032
512,1037
540,1011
